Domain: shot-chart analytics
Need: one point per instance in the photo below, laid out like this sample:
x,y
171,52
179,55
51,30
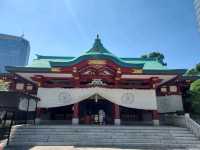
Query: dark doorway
x,y
61,113
89,109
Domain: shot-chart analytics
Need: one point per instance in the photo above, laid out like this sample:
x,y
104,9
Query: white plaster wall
x,y
170,103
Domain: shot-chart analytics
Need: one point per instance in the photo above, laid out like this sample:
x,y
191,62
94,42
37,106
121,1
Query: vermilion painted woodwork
x,y
155,115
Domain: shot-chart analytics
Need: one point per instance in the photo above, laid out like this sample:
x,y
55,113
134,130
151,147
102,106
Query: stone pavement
x,y
80,148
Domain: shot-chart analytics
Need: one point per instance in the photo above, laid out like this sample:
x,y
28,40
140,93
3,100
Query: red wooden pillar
x,y
38,115
155,117
75,119
117,120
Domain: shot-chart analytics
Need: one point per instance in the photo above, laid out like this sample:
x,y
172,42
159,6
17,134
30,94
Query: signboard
x,y
96,62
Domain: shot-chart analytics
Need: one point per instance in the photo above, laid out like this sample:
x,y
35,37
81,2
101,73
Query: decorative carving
x,y
137,71
97,82
74,69
97,62
97,67
105,72
119,70
56,69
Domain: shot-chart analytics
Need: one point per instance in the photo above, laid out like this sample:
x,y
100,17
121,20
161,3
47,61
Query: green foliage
x,y
195,95
156,55
144,56
4,86
198,67
194,71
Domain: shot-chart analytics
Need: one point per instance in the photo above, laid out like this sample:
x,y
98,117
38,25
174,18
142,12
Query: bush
x,y
195,92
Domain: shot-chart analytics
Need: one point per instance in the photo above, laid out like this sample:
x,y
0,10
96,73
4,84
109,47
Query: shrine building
x,y
74,89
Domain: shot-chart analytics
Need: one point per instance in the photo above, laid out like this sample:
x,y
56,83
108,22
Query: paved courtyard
x,y
81,148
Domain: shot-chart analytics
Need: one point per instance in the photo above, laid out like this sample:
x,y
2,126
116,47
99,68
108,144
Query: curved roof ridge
x,y
53,57
134,58
87,56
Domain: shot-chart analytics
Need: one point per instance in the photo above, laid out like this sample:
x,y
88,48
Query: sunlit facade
x,y
77,89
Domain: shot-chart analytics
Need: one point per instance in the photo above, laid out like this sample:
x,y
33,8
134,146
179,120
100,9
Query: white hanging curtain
x,y
131,98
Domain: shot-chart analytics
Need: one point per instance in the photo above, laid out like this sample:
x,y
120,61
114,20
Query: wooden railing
x,y
6,125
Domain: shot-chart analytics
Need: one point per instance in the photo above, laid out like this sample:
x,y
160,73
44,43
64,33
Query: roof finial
x,y
97,36
98,47
22,35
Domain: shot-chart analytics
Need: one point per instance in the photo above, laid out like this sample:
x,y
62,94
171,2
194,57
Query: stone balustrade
x,y
182,121
192,125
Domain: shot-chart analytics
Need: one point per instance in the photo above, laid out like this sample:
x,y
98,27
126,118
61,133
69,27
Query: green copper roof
x,y
47,61
46,70
98,47
97,52
96,56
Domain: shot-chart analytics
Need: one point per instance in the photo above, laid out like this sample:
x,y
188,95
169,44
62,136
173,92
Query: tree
x,y
198,67
194,71
195,92
156,55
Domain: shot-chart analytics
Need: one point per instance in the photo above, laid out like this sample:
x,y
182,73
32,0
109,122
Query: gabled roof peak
x,y
98,47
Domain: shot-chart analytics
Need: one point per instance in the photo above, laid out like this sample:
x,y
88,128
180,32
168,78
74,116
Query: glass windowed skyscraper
x,y
197,8
14,51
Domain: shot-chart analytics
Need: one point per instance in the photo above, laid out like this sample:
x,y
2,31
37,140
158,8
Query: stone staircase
x,y
117,136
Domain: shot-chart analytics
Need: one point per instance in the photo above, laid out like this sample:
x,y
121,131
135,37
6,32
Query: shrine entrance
x,y
91,110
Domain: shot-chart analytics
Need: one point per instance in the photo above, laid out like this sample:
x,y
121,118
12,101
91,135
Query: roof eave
x,y
13,69
165,72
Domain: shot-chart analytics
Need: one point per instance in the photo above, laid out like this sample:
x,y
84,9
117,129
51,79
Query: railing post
x,y
27,110
35,115
4,120
187,117
10,127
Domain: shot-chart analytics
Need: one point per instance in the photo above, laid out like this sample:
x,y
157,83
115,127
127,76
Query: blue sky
x,y
128,28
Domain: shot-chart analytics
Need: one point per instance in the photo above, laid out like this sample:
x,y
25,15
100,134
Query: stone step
x,y
98,127
183,136
97,142
162,136
106,134
103,136
135,145
92,130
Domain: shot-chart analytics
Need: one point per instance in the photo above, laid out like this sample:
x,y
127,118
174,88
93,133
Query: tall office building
x,y
197,8
13,51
